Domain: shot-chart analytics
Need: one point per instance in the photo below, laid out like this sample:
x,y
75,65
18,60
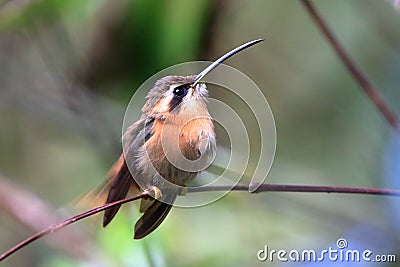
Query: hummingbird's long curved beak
x,y
223,58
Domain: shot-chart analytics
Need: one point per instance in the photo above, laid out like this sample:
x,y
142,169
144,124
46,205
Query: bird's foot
x,y
154,192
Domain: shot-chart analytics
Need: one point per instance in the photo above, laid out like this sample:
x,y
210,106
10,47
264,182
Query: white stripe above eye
x,y
164,105
171,88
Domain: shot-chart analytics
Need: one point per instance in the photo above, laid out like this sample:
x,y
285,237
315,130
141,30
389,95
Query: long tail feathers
x,y
152,218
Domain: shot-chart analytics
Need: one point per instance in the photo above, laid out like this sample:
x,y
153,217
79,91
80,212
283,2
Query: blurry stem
x,y
351,66
148,254
239,187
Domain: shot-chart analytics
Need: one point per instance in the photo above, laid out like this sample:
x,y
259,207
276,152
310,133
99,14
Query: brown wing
x,y
119,187
97,196
155,211
121,180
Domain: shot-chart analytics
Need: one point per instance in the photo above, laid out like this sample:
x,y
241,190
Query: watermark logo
x,y
340,253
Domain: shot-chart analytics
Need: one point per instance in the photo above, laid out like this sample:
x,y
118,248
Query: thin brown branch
x,y
59,225
34,213
351,66
301,188
240,187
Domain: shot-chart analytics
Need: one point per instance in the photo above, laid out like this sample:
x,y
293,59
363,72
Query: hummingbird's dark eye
x,y
181,90
179,93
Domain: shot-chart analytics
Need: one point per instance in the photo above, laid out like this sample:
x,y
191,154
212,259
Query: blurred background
x,y
69,68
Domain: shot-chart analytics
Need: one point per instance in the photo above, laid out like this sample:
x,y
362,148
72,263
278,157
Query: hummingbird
x,y
175,122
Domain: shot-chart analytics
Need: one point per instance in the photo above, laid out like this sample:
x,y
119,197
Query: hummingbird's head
x,y
172,93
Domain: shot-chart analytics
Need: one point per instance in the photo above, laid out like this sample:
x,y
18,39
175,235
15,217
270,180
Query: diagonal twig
x,y
351,66
240,187
59,225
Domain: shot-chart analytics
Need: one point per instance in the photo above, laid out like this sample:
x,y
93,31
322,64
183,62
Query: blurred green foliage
x,y
19,15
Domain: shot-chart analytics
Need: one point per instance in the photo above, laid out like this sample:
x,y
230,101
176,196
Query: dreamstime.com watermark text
x,y
340,253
